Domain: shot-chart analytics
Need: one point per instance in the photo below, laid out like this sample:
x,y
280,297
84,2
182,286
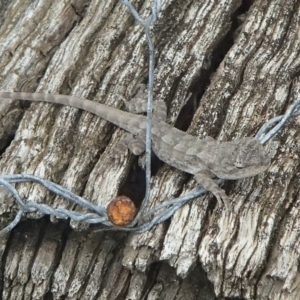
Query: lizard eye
x,y
239,165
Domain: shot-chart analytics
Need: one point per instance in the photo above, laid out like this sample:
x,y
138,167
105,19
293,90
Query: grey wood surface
x,y
240,63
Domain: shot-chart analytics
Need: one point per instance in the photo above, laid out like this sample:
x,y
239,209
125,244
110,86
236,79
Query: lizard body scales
x,y
205,159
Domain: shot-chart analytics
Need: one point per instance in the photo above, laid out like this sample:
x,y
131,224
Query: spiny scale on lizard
x,y
204,158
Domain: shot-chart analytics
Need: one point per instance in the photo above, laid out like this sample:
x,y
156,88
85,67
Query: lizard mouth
x,y
238,172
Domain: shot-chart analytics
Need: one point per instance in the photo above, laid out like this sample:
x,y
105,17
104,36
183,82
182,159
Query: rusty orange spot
x,y
121,211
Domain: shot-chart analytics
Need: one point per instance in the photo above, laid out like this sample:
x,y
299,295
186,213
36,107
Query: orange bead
x,y
121,211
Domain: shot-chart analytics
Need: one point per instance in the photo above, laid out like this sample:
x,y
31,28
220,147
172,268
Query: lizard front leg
x,y
136,144
204,178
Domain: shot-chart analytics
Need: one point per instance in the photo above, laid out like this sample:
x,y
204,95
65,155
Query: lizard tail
x,y
129,122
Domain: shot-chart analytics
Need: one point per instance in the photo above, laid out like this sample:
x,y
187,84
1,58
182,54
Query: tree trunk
x,y
240,64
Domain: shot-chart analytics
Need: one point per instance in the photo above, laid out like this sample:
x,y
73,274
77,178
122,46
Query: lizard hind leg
x,y
135,144
204,178
138,105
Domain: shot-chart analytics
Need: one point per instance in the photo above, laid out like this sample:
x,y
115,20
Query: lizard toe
x,y
224,200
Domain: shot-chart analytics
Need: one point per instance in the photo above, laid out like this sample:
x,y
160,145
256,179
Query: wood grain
x,y
238,80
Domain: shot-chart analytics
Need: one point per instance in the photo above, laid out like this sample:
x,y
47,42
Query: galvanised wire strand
x,y
293,111
150,218
147,23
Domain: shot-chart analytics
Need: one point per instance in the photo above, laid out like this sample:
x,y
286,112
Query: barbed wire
x,y
144,220
278,122
156,215
147,23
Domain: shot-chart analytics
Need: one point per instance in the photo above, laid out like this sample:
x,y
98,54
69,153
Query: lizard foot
x,y
223,200
205,180
137,104
142,162
118,153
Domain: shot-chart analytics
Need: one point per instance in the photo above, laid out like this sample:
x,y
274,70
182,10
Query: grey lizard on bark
x,y
205,159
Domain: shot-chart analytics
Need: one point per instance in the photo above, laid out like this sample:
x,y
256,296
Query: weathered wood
x,y
94,49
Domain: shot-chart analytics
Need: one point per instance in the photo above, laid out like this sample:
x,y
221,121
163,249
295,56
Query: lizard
x,y
204,158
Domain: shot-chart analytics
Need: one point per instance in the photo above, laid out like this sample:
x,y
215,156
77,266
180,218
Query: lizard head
x,y
242,158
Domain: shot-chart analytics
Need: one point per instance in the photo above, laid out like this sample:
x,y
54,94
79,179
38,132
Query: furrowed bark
x,y
239,63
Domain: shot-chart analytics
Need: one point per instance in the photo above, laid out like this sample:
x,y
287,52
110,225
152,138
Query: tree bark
x,y
238,63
